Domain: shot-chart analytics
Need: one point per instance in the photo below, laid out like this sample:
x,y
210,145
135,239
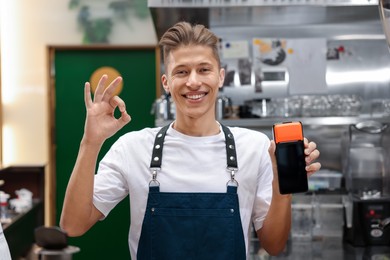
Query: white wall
x,y
27,27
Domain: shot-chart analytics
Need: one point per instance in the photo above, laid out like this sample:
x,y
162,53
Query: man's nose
x,y
193,79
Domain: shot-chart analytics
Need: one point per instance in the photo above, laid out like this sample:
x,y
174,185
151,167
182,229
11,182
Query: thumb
x,y
271,151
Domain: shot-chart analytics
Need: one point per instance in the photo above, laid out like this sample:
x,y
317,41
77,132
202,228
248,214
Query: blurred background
x,y
325,63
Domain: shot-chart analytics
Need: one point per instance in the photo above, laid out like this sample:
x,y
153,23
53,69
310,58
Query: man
x,y
185,202
4,250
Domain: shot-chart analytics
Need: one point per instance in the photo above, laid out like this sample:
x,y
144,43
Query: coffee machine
x,y
367,179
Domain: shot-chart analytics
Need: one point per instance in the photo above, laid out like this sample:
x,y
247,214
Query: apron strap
x,y
231,189
158,148
231,155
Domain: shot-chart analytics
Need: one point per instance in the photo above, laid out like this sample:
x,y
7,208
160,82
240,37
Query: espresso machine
x,y
367,180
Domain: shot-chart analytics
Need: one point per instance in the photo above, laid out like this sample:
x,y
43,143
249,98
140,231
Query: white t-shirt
x,y
4,250
189,164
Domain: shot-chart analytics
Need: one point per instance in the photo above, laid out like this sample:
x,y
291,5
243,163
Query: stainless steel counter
x,y
317,233
325,248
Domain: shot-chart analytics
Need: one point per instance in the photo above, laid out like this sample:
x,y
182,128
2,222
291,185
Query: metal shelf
x,y
251,3
320,121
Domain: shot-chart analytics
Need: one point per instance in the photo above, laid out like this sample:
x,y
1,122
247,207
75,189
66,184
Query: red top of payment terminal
x,y
287,132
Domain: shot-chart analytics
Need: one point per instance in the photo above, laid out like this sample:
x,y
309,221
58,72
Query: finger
x,y
87,95
311,146
124,119
116,101
312,168
110,90
100,88
312,156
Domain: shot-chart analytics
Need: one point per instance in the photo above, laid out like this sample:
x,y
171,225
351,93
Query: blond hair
x,y
184,34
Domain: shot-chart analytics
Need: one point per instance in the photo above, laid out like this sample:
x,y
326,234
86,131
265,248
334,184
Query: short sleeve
x,y
110,185
264,189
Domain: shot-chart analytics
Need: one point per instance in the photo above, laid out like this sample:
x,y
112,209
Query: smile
x,y
195,97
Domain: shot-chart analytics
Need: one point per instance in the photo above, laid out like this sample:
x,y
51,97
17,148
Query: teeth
x,y
195,96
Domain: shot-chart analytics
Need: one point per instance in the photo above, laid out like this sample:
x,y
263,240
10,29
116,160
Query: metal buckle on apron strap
x,y
154,182
232,181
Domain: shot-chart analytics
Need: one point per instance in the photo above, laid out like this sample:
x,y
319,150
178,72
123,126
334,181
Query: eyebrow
x,y
187,64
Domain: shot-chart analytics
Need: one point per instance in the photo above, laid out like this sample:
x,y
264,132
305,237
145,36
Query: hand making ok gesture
x,y
100,122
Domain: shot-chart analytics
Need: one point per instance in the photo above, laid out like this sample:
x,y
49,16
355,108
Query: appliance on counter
x,y
368,204
366,169
370,222
223,107
164,108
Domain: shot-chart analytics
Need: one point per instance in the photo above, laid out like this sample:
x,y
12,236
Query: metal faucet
x,y
384,13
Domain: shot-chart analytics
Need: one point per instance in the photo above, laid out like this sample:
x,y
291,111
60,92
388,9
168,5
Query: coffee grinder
x,y
366,171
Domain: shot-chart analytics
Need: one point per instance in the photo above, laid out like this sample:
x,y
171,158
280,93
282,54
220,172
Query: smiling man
x,y
200,185
193,79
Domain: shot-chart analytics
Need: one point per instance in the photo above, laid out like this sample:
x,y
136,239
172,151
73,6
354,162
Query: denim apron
x,y
192,226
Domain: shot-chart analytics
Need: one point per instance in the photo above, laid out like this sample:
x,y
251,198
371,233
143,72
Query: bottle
x,y
4,207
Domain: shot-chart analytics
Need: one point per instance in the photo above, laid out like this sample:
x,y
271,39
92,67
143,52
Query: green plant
x,y
97,30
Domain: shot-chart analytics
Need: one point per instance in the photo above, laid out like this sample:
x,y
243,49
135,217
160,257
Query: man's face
x,y
193,78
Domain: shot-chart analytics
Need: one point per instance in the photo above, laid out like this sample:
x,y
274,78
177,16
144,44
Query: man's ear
x,y
164,81
221,77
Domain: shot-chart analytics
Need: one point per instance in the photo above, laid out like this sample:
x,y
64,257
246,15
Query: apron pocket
x,y
192,233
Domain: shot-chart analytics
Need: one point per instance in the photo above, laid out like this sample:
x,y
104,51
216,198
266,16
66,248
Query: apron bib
x,y
192,226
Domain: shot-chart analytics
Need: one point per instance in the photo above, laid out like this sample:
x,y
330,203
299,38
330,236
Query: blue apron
x,y
192,226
